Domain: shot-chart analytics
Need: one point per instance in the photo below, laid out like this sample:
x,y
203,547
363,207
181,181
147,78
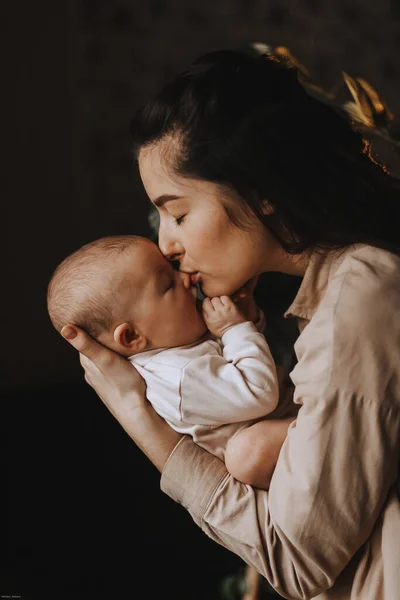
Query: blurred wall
x,y
75,71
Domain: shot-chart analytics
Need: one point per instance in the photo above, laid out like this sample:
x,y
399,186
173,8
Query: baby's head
x,y
125,294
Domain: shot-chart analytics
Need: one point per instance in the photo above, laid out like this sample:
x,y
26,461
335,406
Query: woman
x,y
251,175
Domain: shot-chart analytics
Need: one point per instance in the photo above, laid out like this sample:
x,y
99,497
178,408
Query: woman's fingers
x,y
87,364
103,358
80,340
115,380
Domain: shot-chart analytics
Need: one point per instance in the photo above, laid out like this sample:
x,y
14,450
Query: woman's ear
x,y
128,339
266,208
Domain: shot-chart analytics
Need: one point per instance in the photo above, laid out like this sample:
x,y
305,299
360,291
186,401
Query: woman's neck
x,y
293,264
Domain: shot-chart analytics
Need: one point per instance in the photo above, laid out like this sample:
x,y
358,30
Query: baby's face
x,y
161,302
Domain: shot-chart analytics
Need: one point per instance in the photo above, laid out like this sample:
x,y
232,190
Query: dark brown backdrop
x,y
85,516
75,73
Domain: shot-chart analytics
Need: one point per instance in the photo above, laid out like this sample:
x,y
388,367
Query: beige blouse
x,y
329,527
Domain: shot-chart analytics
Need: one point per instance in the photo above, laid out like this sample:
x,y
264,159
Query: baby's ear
x,y
128,339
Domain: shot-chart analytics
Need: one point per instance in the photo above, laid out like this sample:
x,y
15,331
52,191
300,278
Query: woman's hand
x,y
114,379
122,390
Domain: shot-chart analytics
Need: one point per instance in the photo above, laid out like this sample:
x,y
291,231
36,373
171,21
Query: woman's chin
x,y
210,290
207,291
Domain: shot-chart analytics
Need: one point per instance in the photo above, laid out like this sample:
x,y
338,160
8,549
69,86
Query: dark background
x,y
85,517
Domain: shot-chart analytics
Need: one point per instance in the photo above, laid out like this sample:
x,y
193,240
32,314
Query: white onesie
x,y
213,388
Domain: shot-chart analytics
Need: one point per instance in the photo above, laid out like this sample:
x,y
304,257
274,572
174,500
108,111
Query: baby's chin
x,y
189,339
197,333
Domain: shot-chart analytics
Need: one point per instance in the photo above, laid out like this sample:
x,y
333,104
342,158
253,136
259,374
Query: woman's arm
x,y
122,390
332,478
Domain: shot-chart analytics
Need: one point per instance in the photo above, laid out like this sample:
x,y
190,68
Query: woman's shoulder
x,y
368,280
354,335
361,293
382,261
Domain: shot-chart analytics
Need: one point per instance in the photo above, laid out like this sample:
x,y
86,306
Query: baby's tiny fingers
x,y
216,302
207,308
226,300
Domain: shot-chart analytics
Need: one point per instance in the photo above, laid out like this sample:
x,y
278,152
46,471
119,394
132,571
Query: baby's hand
x,y
221,313
244,300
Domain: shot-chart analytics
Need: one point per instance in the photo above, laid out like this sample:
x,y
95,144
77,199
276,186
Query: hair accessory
x,y
365,106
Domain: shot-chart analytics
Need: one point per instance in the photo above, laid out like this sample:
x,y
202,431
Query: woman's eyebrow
x,y
161,200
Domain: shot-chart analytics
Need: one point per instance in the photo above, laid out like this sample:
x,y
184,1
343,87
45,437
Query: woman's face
x,y
196,231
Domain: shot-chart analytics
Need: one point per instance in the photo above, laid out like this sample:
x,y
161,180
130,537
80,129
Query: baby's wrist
x,y
224,328
237,332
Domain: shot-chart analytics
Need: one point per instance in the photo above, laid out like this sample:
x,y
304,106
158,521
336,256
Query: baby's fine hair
x,y
83,288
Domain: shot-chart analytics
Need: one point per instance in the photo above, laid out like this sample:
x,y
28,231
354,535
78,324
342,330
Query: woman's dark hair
x,y
246,123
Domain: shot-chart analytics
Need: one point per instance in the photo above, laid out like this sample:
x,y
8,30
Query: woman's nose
x,y
170,247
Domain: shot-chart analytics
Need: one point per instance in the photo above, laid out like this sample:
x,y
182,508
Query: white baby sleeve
x,y
239,385
163,384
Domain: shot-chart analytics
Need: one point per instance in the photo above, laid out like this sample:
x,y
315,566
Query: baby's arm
x,y
246,362
251,455
238,384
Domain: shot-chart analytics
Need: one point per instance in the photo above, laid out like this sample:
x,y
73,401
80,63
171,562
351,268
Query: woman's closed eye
x,y
179,220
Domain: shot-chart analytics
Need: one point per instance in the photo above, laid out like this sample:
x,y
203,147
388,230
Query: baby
x,y
208,370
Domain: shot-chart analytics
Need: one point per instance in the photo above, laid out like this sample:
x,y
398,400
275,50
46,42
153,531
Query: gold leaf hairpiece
x,y
366,106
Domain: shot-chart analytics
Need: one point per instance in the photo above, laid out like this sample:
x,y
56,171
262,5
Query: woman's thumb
x,y
69,333
79,340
